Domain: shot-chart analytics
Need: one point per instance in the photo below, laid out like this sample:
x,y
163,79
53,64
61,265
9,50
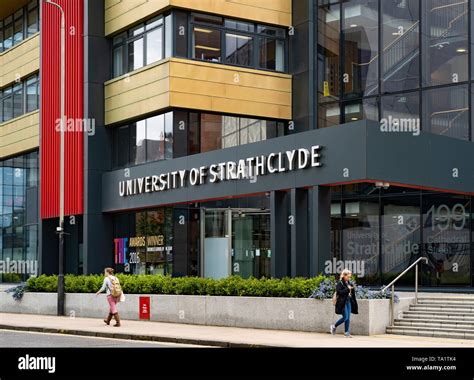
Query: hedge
x,y
155,284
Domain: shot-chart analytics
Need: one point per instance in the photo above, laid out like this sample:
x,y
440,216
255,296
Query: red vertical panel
x,y
50,107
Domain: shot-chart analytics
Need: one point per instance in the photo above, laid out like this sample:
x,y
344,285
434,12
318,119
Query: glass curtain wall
x,y
18,225
381,232
386,56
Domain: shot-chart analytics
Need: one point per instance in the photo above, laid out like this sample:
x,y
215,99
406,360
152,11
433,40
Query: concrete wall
x,y
248,312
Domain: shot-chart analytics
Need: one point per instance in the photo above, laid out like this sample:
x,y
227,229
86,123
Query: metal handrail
x,y
392,285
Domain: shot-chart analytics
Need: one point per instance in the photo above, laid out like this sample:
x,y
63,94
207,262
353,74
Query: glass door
x,y
251,253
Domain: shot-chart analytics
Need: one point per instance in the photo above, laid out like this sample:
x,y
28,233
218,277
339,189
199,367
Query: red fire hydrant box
x,y
144,308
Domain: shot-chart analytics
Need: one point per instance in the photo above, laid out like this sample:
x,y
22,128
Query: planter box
x,y
249,312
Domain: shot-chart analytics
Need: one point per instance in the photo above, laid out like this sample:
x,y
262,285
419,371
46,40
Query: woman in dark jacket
x,y
346,303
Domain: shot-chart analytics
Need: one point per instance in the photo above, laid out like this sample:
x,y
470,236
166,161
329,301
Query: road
x,y
19,339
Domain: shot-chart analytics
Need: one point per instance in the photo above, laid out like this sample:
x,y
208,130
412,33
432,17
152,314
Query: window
x,y
17,27
207,44
445,43
271,48
33,19
446,111
401,53
239,49
20,98
161,137
329,82
360,45
32,94
232,42
18,175
140,46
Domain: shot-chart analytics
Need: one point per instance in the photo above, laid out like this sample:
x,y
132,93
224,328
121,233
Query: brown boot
x,y
108,319
117,320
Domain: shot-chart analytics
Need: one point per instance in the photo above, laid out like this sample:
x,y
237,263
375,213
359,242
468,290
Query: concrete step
x,y
436,323
442,307
446,315
430,332
447,301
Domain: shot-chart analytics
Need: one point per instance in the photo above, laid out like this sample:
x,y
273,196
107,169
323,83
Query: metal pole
x,y
416,284
61,290
60,228
392,307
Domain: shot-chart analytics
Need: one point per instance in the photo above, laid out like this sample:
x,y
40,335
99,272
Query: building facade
x,y
214,138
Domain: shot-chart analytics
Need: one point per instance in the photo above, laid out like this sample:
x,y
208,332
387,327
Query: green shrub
x,y
149,284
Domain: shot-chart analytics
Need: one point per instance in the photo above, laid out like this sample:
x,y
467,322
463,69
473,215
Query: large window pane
x,y
446,241
401,54
367,109
155,138
18,27
211,132
329,115
445,44
119,61
239,49
272,54
8,42
32,22
7,105
135,54
122,146
154,46
361,237
138,148
446,111
329,78
401,231
207,44
18,100
401,113
360,41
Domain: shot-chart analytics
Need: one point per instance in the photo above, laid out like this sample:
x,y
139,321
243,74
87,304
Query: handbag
x,y
334,298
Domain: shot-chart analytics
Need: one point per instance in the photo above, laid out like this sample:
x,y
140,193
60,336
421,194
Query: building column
x,y
98,227
279,234
298,220
319,229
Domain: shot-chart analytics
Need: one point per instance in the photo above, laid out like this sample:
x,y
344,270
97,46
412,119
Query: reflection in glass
x,y
401,55
367,109
446,111
154,46
239,49
135,54
272,54
360,35
445,44
329,115
400,237
446,240
329,53
155,138
402,112
361,237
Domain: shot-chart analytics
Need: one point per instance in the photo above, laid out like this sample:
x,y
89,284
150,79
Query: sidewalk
x,y
210,335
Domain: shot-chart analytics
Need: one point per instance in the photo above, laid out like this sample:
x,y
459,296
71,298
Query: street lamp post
x,y
60,228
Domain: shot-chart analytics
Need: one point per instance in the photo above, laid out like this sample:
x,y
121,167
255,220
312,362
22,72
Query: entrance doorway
x,y
235,242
